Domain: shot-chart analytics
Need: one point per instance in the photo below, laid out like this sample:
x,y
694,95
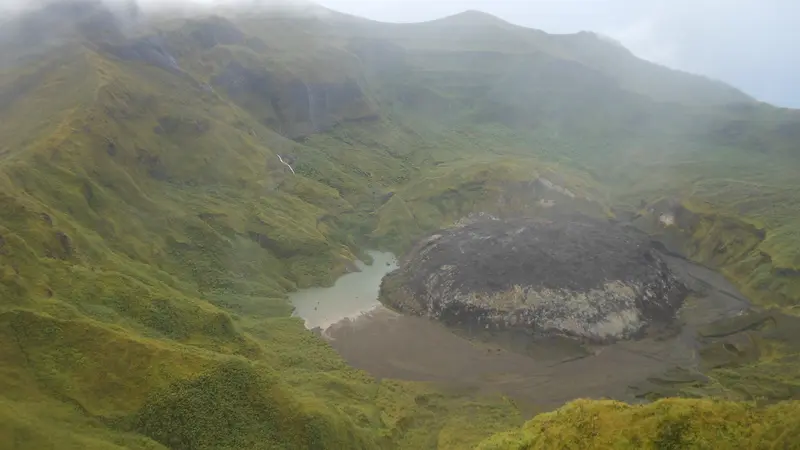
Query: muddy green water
x,y
353,294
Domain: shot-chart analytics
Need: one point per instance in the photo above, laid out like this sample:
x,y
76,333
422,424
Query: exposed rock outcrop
x,y
572,276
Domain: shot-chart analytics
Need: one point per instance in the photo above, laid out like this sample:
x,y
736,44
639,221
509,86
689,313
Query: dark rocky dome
x,y
571,276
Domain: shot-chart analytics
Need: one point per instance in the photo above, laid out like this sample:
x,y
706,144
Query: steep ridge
x,y
150,231
149,234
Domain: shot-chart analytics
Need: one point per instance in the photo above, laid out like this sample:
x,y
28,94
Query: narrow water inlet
x,y
351,296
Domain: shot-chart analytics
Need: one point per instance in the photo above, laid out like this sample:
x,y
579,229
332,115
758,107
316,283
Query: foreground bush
x,y
665,424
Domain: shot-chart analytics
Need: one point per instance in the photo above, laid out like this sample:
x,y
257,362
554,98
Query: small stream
x,y
352,295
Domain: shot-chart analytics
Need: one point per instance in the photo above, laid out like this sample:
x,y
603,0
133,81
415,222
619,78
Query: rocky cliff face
x,y
294,107
571,276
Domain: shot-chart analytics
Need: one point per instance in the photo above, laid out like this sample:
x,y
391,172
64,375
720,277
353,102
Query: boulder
x,y
569,276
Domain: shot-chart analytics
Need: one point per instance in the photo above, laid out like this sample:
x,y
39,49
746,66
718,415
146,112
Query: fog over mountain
x,y
745,43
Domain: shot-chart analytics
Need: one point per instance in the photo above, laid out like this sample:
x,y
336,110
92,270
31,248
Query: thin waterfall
x,y
286,164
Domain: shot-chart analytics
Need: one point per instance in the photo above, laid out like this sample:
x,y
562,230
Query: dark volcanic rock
x,y
573,276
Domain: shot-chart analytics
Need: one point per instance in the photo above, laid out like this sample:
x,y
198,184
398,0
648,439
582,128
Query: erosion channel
x,y
538,371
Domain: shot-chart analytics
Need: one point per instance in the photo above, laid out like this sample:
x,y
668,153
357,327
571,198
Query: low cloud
x,y
10,7
749,44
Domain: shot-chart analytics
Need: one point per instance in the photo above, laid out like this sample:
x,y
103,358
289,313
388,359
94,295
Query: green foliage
x,y
665,424
499,186
42,424
237,406
739,246
145,236
423,417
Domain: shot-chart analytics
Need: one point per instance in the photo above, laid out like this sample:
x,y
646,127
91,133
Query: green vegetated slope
x,y
672,423
149,235
149,232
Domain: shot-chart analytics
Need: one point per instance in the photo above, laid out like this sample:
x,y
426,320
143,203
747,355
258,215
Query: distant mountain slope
x,y
150,230
477,32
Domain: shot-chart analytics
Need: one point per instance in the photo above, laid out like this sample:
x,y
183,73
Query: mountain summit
x,y
473,18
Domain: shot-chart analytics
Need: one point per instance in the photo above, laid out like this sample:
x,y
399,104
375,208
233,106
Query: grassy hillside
x,y
149,232
700,424
148,238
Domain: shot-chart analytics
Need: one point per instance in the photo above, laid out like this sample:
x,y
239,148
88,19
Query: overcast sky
x,y
751,44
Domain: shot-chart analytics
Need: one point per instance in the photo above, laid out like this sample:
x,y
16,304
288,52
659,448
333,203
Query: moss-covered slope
x,y
149,235
665,424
